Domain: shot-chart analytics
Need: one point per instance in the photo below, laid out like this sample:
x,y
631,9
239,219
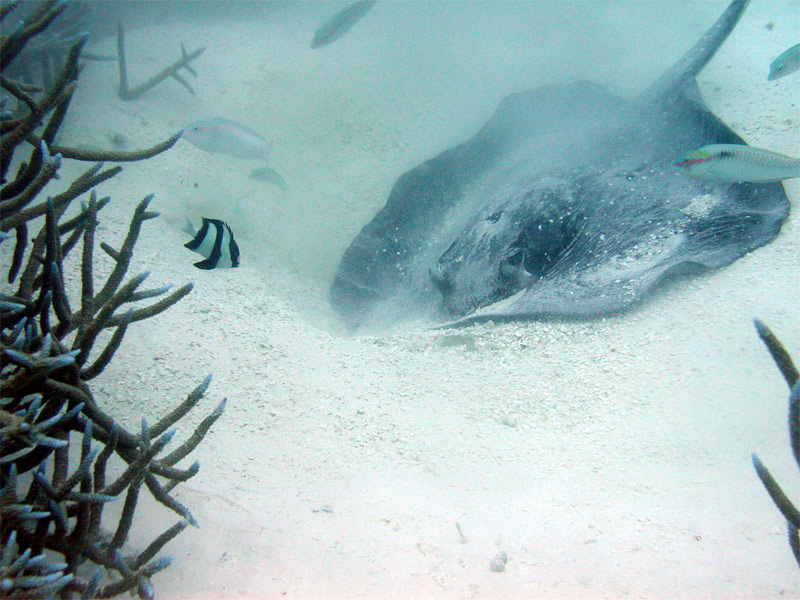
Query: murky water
x,y
606,457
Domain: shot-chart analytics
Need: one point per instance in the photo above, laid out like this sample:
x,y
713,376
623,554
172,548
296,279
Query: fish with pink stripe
x,y
732,163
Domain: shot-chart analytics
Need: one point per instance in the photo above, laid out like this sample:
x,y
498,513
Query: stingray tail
x,y
691,63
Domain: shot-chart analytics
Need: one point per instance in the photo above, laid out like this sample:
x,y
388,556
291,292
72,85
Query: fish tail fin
x,y
189,227
179,222
179,219
270,176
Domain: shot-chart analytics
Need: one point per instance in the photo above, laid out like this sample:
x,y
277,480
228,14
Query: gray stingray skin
x,y
563,204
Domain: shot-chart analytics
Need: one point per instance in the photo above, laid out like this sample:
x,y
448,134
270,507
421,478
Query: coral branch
x,y
19,252
7,8
48,172
127,93
116,155
789,372
184,449
139,466
152,310
36,22
794,541
182,409
157,544
80,186
52,494
778,353
776,493
105,357
123,257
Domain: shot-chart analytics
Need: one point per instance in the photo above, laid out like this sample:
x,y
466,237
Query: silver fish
x,y
340,23
787,62
732,163
222,136
226,137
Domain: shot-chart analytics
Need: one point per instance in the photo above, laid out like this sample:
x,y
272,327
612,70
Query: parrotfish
x,y
227,137
732,163
787,62
214,241
340,23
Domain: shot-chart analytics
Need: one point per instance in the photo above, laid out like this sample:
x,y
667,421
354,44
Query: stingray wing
x,y
687,228
389,257
645,224
642,222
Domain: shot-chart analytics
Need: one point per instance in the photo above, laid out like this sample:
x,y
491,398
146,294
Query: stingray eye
x,y
510,268
515,258
441,279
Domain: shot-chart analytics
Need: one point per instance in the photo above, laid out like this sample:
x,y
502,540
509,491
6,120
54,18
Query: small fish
x,y
787,62
227,137
731,163
214,240
270,176
340,23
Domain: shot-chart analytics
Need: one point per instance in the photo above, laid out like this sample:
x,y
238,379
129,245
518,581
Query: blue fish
x,y
733,163
787,62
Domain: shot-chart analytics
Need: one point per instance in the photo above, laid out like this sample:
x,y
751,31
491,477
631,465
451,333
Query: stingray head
x,y
508,247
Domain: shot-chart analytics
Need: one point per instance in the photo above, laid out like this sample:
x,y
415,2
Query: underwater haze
x,y
606,457
408,81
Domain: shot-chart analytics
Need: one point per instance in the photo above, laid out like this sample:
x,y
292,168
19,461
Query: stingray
x,y
564,204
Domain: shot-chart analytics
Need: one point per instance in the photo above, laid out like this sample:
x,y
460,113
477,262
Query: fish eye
x,y
681,163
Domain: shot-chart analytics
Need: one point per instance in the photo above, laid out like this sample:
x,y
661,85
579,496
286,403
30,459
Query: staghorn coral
x,y
44,53
127,93
790,374
56,440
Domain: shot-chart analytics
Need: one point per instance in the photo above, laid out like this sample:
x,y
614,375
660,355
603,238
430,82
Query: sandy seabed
x,y
607,458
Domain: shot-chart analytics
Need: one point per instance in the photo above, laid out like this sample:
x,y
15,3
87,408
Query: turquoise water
x,y
606,458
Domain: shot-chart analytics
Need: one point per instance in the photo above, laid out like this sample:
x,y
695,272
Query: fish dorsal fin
x,y
233,247
201,235
690,64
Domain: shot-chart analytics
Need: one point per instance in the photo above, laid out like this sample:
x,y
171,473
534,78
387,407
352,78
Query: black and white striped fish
x,y
214,240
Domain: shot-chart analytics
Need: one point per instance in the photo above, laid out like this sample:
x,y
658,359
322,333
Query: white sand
x,y
608,459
